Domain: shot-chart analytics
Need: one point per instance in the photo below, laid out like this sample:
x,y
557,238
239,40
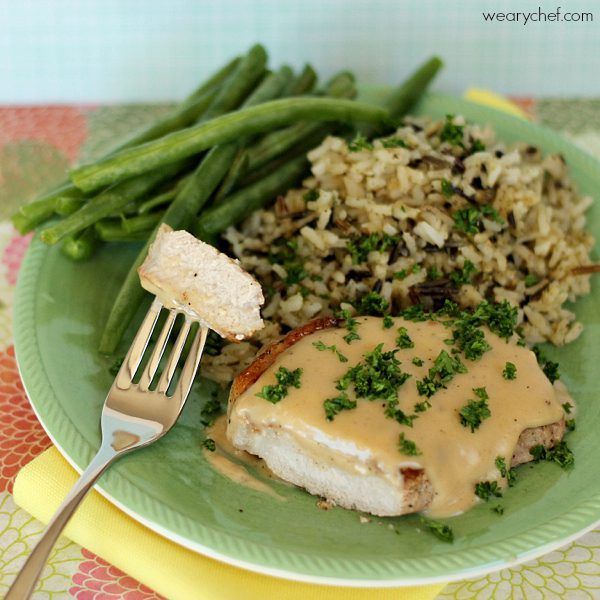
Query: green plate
x,y
60,310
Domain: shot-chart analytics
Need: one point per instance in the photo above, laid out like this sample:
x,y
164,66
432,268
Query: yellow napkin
x,y
167,568
494,100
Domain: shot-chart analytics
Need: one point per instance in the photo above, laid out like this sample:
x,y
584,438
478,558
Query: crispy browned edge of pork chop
x,y
418,490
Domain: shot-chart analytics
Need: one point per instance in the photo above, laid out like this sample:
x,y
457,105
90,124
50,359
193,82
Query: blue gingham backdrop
x,y
154,50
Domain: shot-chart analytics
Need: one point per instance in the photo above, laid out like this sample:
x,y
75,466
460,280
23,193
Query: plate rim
x,y
572,528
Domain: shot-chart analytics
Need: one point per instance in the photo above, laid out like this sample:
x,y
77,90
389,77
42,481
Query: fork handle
x,y
24,585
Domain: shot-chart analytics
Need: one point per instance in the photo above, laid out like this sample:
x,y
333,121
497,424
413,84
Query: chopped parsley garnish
x,y
551,371
333,348
422,406
567,406
561,454
501,318
211,410
469,220
378,377
286,256
393,142
499,510
388,322
311,195
447,188
445,367
359,143
404,273
488,489
333,406
415,313
407,447
531,280
360,246
452,133
295,273
418,362
510,474
209,444
509,371
465,275
286,251
476,146
549,367
440,530
372,304
350,324
426,387
403,340
476,411
570,424
433,273
285,379
393,412
450,309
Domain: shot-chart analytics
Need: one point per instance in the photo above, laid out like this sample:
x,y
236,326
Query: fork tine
x,y
157,353
191,364
167,375
138,346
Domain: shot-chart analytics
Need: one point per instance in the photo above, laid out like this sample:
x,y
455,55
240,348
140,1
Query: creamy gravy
x,y
234,463
364,440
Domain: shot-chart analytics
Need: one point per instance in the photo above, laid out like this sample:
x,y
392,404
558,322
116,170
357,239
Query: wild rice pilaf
x,y
439,210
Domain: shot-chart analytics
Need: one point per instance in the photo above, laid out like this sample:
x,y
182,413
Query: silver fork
x,y
133,416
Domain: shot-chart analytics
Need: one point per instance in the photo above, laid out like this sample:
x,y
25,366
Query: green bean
x,y
163,197
35,213
404,97
215,80
341,85
272,86
67,205
109,230
243,79
158,200
407,94
302,84
302,147
184,115
109,202
180,215
38,212
236,171
278,142
225,128
141,222
241,204
81,245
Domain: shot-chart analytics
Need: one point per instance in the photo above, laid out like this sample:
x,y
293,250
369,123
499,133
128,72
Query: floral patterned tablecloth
x,y
36,145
